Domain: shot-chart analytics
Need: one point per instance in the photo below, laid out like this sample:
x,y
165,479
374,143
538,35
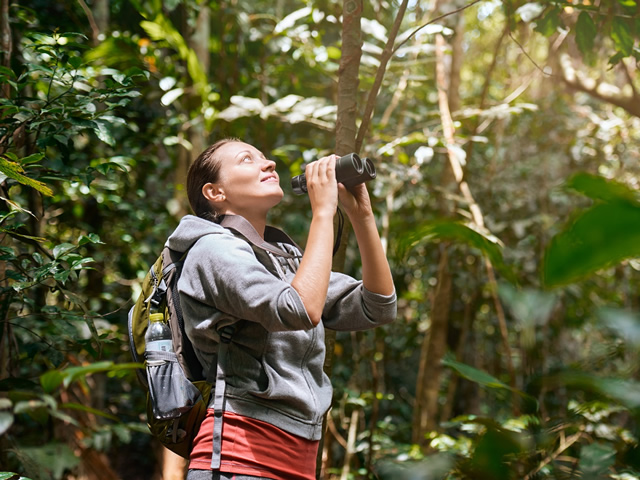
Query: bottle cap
x,y
156,317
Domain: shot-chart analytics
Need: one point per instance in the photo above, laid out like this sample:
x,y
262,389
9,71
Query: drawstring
x,y
336,245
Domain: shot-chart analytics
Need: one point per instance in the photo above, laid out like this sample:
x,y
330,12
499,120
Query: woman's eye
x,y
246,159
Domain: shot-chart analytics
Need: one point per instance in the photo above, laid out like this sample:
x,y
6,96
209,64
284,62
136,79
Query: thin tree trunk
x,y
384,60
348,81
467,324
432,352
101,15
95,30
351,444
193,132
199,43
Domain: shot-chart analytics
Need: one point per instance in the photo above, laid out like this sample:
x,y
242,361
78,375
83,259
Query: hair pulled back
x,y
205,169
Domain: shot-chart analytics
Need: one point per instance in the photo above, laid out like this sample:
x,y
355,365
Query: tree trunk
x,y
348,79
194,133
199,43
433,349
101,15
348,82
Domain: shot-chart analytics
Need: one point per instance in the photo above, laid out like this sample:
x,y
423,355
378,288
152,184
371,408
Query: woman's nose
x,y
269,165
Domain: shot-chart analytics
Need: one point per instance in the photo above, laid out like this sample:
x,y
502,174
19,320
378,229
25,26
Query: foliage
x,y
55,102
615,21
92,132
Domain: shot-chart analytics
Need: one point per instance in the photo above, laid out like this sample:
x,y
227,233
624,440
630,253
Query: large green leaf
x,y
15,171
482,378
457,232
622,36
601,236
586,31
623,324
622,391
54,378
597,237
595,460
600,188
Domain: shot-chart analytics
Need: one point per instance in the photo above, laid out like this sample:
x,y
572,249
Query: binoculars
x,y
350,170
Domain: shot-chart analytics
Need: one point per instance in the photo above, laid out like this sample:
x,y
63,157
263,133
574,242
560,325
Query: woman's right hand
x,y
322,186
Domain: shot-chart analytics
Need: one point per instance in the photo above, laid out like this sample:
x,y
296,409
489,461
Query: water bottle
x,y
158,335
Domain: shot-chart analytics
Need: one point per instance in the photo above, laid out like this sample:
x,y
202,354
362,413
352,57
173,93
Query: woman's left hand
x,y
355,201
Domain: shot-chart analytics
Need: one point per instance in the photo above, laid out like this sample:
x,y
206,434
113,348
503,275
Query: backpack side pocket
x,y
170,391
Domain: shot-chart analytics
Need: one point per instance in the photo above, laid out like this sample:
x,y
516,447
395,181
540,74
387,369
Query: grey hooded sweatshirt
x,y
274,366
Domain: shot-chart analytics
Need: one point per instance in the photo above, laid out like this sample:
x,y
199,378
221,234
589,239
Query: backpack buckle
x,y
226,333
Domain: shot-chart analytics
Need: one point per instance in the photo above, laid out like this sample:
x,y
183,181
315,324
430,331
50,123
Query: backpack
x,y
178,390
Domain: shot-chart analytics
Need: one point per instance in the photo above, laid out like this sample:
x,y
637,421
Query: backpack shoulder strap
x,y
242,226
218,399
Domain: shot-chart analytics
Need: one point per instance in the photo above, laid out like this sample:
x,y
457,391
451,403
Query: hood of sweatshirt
x,y
190,230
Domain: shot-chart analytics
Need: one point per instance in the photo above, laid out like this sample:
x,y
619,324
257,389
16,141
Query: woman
x,y
277,303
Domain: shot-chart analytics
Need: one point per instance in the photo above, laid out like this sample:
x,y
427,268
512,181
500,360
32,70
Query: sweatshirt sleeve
x,y
222,271
350,306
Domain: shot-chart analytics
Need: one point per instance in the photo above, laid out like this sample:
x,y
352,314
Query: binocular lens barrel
x,y
350,170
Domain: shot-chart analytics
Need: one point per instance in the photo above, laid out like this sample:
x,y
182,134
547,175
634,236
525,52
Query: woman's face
x,y
248,181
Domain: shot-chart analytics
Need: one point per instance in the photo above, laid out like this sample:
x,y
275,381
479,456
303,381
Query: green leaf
x,y
84,408
595,460
75,62
12,476
72,374
615,59
61,249
90,238
621,35
549,23
623,324
586,32
473,374
599,237
51,380
36,157
600,188
15,171
455,231
6,420
106,167
102,131
44,402
52,459
621,391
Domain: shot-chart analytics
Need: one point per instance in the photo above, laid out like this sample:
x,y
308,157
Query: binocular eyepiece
x,y
350,170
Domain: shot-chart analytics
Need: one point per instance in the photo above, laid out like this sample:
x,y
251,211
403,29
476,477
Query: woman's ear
x,y
213,193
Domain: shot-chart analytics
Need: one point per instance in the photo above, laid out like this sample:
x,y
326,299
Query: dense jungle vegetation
x,y
506,136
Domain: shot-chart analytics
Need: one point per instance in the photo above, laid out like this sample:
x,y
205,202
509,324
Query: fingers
x,y
322,170
322,185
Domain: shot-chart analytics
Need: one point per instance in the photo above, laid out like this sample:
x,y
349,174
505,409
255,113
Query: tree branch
x,y
573,79
95,31
433,21
384,60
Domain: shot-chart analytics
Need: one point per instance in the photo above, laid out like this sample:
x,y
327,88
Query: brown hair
x,y
205,169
